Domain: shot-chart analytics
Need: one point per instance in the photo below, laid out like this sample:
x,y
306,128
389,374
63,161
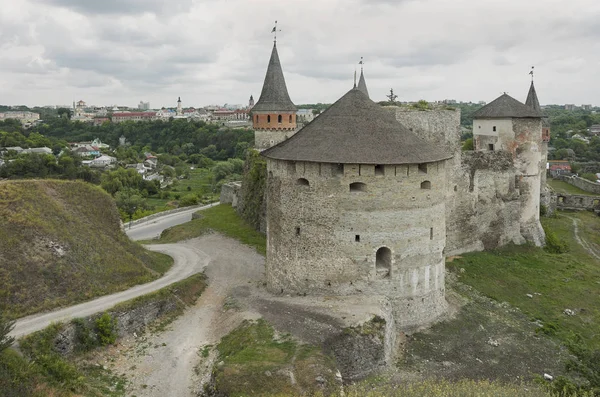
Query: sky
x,y
120,52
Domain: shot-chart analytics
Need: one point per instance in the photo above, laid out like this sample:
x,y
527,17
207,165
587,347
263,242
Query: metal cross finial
x,y
274,31
531,73
361,63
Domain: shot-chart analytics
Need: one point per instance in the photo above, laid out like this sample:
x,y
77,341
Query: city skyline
x,y
121,52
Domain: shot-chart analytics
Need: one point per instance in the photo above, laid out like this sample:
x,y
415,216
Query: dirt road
x,y
171,363
188,260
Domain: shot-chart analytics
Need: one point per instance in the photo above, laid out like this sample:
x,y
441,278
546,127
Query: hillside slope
x,y
60,243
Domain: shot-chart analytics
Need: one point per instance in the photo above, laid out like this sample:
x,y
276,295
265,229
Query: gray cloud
x,y
120,6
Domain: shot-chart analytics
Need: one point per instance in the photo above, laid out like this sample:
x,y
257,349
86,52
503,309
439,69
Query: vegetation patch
x,y
61,243
221,218
254,361
566,188
252,196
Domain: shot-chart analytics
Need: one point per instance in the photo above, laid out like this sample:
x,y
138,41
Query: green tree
x,y
129,201
65,113
6,326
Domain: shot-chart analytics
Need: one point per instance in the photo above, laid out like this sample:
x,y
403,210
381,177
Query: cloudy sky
x,y
216,51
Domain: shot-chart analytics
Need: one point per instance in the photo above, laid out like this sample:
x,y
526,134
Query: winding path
x,y
586,245
188,261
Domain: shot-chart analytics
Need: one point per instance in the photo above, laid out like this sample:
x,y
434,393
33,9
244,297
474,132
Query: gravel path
x,y
172,363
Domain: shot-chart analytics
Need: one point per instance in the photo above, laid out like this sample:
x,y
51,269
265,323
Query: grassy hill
x,y
60,243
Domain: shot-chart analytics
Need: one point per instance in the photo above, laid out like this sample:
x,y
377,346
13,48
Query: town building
x,y
133,116
24,117
144,105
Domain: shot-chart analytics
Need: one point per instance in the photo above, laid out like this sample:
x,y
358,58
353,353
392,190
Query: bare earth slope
x,y
61,243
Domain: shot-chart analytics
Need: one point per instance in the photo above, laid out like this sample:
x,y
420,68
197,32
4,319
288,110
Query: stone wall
x,y
230,193
577,202
265,138
581,183
324,234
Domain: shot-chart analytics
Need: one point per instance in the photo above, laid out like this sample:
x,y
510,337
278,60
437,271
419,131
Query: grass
x,y
563,187
256,362
556,281
61,243
221,218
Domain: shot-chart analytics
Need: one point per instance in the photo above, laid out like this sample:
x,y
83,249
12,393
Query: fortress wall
x,y
323,239
485,206
581,183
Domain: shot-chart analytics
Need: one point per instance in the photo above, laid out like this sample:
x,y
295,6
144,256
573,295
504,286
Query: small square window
x,y
423,168
491,146
379,170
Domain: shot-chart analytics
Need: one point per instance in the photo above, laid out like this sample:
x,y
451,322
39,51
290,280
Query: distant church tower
x,y
179,109
274,115
251,102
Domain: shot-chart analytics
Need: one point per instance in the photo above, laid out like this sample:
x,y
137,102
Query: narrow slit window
x,y
269,119
357,238
279,119
431,233
491,147
297,231
290,119
494,128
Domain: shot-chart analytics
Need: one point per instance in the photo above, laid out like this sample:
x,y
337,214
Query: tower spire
x,y
362,84
274,31
532,98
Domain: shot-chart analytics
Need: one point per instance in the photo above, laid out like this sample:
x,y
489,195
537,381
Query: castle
x,y
369,200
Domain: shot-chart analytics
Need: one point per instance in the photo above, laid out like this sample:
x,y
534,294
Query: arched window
x,y
302,182
279,118
269,119
290,119
426,185
358,187
383,262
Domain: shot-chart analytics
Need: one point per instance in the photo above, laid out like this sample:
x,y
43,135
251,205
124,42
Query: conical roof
x,y
532,99
506,106
362,85
274,95
356,130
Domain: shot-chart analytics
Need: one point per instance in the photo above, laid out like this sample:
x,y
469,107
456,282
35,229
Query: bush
x,y
105,328
589,176
543,210
468,144
553,244
188,200
5,327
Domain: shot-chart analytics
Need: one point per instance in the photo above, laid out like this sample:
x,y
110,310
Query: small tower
x,y
251,102
274,115
509,125
179,109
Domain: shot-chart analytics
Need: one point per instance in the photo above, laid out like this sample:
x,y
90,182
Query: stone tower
x,y
274,115
506,124
179,109
533,102
356,206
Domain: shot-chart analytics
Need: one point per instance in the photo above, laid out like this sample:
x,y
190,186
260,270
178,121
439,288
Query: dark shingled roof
x,y
356,130
362,85
274,95
506,106
532,99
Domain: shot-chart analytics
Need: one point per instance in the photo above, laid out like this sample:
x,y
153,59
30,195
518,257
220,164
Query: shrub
x,y
188,199
106,329
553,244
589,176
5,327
543,210
468,144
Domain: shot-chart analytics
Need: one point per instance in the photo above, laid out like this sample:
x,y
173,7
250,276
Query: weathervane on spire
x,y
531,73
274,31
361,63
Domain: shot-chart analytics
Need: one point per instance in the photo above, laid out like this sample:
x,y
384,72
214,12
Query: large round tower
x,y
355,205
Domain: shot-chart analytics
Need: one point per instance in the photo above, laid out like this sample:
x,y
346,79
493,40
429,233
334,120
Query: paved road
x,y
153,228
188,261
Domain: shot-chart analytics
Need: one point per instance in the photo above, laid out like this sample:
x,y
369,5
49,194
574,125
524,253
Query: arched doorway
x,y
383,262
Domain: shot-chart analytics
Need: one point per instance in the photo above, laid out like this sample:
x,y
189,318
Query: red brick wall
x,y
263,121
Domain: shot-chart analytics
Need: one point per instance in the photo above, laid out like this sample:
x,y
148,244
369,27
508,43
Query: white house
x,y
103,161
